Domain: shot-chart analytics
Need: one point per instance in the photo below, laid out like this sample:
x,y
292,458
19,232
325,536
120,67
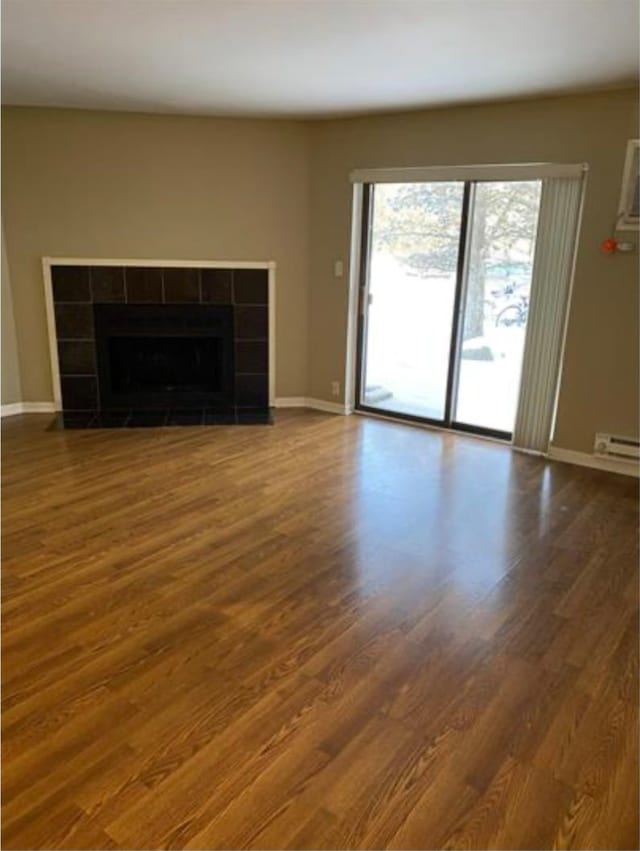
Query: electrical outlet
x,y
335,388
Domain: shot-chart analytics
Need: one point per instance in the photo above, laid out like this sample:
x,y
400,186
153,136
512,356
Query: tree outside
x,y
419,223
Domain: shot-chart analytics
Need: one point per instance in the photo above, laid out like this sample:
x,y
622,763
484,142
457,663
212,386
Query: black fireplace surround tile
x,y
70,283
252,356
74,419
74,321
77,357
181,285
146,419
252,391
252,322
182,417
79,392
251,286
217,286
110,419
143,284
107,283
77,288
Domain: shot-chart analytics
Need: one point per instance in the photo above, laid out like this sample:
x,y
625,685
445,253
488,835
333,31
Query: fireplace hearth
x,y
152,346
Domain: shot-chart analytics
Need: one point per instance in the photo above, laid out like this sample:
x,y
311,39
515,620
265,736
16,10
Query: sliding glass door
x,y
445,287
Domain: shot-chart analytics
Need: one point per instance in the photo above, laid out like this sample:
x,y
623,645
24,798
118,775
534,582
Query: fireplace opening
x,y
165,364
164,356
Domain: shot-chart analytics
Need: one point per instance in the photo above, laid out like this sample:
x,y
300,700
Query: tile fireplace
x,y
150,345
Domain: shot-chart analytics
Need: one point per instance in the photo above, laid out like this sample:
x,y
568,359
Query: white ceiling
x,y
309,57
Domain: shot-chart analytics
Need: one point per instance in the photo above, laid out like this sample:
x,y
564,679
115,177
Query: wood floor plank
x,y
330,633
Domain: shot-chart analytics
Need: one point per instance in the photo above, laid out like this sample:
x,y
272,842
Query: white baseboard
x,y
14,408
328,407
316,404
584,459
290,402
11,409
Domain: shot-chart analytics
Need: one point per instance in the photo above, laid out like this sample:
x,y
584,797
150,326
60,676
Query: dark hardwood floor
x,y
330,633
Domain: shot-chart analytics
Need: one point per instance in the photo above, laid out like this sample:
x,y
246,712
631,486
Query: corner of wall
x,y
11,379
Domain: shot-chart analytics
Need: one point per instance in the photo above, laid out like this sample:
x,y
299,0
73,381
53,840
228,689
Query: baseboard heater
x,y
616,446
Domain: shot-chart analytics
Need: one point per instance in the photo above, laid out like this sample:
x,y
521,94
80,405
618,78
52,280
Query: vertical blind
x,y
559,215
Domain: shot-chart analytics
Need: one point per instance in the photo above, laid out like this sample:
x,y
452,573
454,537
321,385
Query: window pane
x,y
502,238
415,233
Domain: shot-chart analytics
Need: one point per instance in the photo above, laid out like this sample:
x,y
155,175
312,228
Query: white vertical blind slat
x,y
552,269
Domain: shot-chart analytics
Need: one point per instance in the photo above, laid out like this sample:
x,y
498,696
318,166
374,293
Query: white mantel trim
x,y
137,261
49,262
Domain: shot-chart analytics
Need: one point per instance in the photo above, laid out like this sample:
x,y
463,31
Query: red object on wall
x,y
609,246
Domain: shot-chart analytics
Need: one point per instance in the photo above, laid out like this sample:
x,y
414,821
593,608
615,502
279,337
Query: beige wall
x,y
93,184
10,388
599,388
126,185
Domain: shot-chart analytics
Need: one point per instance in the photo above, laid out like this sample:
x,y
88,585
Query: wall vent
x,y
616,446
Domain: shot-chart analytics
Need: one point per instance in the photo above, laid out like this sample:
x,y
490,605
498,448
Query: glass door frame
x,y
448,421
